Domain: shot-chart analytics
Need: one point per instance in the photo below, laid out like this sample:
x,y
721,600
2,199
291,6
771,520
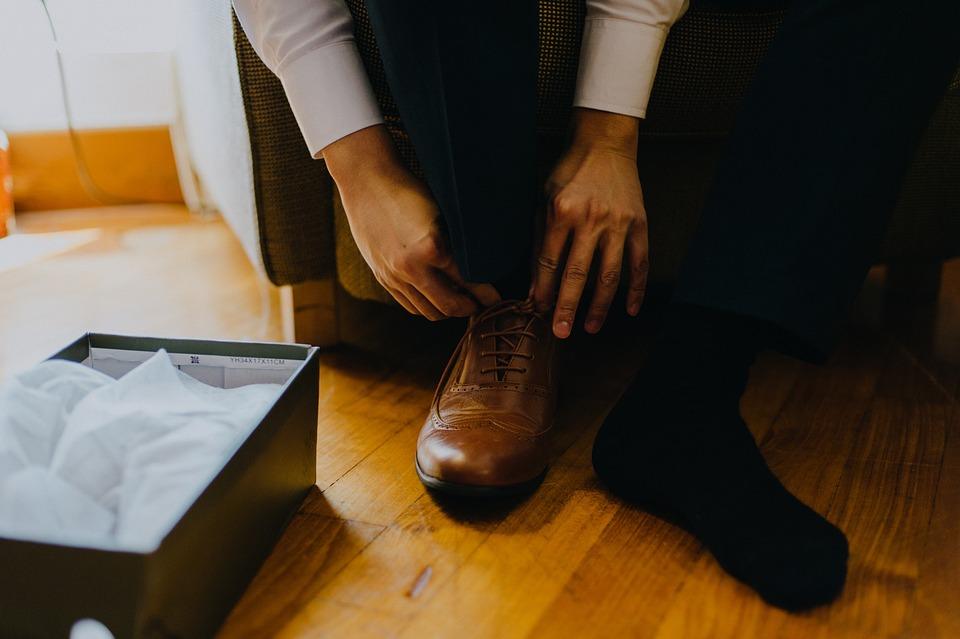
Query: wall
x,y
119,68
117,56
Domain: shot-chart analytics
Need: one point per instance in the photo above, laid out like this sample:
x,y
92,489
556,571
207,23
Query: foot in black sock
x,y
676,444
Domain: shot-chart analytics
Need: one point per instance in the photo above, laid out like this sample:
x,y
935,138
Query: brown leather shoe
x,y
487,432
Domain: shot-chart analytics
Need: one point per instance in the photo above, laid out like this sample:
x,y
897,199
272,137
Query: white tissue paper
x,y
89,459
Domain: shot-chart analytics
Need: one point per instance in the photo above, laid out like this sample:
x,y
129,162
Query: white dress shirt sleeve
x,y
309,45
622,41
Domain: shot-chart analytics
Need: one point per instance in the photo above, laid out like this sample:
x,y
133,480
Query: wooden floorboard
x,y
318,548
935,609
503,587
871,440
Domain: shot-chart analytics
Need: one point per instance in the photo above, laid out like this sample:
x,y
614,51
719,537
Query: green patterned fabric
x,y
294,192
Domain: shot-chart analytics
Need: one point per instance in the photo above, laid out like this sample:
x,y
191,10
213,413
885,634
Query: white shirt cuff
x,y
330,94
618,62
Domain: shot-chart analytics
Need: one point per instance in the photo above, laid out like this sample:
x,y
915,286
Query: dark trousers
x,y
800,200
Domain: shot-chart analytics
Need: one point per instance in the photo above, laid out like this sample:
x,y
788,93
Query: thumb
x,y
485,294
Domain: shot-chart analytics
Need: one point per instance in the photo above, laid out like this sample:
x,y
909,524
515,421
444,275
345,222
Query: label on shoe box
x,y
222,371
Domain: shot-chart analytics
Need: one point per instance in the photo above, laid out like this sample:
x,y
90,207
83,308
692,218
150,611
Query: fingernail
x,y
562,328
634,309
593,326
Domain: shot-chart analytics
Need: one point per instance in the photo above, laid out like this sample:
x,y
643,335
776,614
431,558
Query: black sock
x,y
676,444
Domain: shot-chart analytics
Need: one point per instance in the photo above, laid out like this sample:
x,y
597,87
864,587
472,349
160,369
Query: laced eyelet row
x,y
518,332
484,371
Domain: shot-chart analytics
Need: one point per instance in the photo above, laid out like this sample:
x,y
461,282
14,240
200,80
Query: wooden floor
x,y
871,440
152,269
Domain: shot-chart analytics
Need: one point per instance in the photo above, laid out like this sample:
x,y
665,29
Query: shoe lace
x,y
508,340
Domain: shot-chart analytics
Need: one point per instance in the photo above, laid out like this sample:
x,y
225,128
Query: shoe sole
x,y
472,490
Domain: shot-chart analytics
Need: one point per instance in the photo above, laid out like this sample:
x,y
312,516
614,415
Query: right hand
x,y
393,219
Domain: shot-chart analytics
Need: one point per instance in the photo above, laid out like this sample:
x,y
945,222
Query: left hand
x,y
594,203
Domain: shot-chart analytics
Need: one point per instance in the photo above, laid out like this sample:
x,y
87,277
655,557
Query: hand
x,y
594,203
393,219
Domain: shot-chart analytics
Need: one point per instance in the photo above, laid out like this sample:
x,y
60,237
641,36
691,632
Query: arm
x,y
594,199
309,45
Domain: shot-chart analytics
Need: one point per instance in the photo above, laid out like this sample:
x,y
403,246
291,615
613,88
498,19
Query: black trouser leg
x,y
815,162
463,75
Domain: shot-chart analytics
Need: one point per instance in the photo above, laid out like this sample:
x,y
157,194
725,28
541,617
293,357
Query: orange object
x,y
6,184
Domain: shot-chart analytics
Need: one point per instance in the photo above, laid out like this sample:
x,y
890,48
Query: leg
x,y
464,80
815,163
797,212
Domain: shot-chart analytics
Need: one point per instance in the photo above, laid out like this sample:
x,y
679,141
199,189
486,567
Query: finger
x,y
547,274
574,278
484,294
539,230
445,287
444,295
402,300
608,278
423,305
639,263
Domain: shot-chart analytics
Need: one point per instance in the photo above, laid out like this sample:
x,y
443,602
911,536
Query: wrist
x,y
362,156
601,130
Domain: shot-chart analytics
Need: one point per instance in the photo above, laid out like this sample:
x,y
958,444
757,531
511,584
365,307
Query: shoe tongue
x,y
506,343
503,342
